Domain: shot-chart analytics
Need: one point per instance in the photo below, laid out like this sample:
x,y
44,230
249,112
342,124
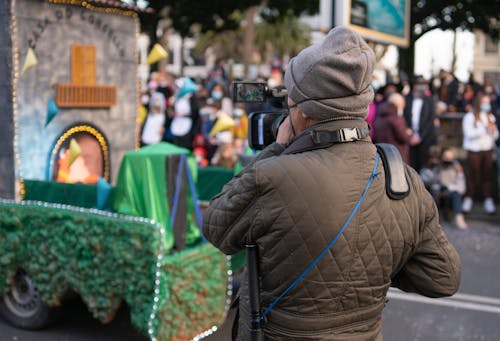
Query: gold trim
x,y
22,188
137,131
95,8
92,131
18,171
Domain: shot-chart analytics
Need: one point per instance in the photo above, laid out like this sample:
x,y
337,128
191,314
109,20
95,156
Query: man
x,y
297,194
390,126
448,92
419,115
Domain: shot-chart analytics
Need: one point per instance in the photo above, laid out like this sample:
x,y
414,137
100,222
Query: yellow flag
x,y
157,53
224,122
30,60
141,115
74,151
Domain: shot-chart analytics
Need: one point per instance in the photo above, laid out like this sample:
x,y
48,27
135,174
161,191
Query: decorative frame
x,y
81,128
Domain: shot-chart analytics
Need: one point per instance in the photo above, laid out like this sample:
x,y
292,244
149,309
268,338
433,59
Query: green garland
x,y
108,259
196,297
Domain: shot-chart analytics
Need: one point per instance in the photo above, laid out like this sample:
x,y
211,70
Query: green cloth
x,y
79,194
211,180
238,168
141,188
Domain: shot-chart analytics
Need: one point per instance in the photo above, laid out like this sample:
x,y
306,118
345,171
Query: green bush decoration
x,y
196,298
109,259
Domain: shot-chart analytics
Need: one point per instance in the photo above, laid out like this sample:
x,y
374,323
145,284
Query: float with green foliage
x,y
51,249
82,210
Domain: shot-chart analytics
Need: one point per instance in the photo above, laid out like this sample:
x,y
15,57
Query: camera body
x,y
262,126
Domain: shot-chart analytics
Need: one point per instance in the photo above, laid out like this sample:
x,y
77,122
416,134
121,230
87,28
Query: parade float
x,y
82,210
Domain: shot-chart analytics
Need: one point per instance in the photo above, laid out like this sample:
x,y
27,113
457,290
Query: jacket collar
x,y
305,142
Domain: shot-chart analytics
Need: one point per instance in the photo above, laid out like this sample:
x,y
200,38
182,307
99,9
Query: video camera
x,y
263,125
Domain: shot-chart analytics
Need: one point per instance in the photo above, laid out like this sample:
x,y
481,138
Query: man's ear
x,y
309,121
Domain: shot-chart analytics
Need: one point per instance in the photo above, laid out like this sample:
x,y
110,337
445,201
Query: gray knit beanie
x,y
332,79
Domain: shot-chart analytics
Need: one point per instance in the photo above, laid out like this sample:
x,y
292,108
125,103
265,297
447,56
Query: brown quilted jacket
x,y
291,206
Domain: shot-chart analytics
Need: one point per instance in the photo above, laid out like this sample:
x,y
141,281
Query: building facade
x,y
486,58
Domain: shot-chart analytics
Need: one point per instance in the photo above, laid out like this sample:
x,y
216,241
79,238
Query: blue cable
x,y
325,250
195,200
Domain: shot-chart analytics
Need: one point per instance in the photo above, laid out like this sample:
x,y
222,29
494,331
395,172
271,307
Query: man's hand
x,y
285,132
415,140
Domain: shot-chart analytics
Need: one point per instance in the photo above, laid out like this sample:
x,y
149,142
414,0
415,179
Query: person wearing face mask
x,y
240,130
480,132
208,116
185,122
420,115
390,126
452,180
218,93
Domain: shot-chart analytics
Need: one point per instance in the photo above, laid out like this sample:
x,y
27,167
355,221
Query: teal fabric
x,y
78,194
211,180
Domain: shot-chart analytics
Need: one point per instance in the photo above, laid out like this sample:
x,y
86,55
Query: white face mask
x,y
400,112
206,111
485,107
217,95
406,90
238,112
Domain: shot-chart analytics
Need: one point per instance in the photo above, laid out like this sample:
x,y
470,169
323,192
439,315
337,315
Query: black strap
x,y
396,184
339,136
318,139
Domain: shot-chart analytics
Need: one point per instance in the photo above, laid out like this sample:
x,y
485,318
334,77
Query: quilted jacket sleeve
x,y
433,270
229,216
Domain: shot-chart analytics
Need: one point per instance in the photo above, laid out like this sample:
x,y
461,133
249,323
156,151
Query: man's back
x,y
297,194
303,200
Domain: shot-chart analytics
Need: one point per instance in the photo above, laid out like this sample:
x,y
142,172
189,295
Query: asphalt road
x,y
75,323
472,314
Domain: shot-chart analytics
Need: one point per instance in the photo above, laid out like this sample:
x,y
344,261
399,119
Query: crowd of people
x,y
407,116
197,115
201,116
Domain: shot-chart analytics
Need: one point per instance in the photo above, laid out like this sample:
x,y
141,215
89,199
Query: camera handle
x,y
254,292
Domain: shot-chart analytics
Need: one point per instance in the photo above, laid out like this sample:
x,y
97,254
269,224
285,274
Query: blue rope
x,y
177,190
325,250
195,201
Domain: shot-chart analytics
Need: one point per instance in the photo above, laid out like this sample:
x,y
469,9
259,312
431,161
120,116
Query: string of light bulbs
x,y
18,165
158,227
96,8
229,295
